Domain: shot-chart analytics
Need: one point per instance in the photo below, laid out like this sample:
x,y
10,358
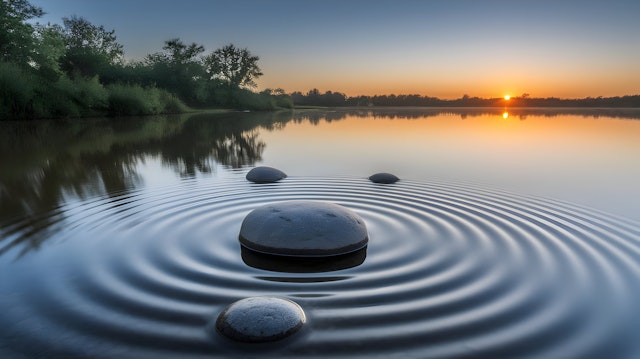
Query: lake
x,y
511,233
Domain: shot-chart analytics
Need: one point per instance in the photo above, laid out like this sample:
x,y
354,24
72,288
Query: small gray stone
x,y
386,178
265,174
260,319
303,229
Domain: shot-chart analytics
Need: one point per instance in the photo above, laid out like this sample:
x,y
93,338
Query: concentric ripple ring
x,y
451,271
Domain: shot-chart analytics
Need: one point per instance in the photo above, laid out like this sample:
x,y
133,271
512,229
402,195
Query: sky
x,y
441,48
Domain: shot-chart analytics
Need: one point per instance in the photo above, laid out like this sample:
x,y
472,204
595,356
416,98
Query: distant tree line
x,y
78,69
336,99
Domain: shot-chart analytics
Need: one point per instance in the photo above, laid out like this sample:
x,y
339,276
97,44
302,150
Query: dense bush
x,y
77,97
131,100
171,103
137,100
17,89
24,94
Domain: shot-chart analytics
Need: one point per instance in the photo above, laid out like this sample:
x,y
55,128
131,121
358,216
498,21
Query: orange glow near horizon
x,y
507,97
480,82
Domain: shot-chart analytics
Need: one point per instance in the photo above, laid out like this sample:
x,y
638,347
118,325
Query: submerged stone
x,y
386,178
260,319
265,174
303,229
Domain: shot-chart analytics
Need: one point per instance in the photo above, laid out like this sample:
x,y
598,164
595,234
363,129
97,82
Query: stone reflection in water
x,y
288,264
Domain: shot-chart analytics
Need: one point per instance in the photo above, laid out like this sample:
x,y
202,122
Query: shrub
x,y
76,97
137,100
284,101
17,90
170,103
129,100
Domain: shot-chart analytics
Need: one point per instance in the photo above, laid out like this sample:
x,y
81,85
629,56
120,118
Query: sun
x,y
507,97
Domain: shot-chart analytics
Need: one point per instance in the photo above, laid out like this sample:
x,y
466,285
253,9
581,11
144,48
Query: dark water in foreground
x,y
120,238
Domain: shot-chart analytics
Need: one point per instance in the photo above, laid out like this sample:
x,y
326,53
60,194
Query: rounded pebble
x,y
260,319
386,178
265,174
303,229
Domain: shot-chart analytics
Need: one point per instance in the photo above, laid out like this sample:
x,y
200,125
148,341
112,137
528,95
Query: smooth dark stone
x,y
260,319
303,229
386,178
265,174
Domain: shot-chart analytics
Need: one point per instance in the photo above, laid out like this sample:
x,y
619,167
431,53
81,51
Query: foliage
x,y
236,66
281,99
136,100
78,69
315,98
87,94
49,49
178,70
16,35
17,90
24,94
89,48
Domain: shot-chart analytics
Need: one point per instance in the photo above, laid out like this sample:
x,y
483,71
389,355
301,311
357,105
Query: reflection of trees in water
x,y
239,151
230,139
45,162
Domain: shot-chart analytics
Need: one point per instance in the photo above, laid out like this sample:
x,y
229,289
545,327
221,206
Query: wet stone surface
x,y
303,229
260,319
265,174
386,178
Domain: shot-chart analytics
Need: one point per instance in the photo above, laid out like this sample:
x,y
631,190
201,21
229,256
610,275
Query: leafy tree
x,y
179,53
16,35
91,49
178,69
49,49
237,67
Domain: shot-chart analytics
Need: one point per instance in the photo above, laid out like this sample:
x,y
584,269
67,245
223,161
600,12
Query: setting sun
x,y
507,97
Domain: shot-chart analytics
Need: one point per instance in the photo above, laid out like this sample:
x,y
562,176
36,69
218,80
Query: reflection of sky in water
x,y
155,173
584,160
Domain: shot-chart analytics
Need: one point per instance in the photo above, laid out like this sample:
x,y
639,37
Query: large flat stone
x,y
303,228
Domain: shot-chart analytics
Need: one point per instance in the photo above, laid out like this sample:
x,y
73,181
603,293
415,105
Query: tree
x,y
49,49
179,53
237,67
178,69
16,35
91,49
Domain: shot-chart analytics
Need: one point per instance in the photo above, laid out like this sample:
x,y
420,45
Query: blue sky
x,y
437,48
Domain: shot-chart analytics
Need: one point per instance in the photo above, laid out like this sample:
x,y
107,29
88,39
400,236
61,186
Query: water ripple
x,y
451,270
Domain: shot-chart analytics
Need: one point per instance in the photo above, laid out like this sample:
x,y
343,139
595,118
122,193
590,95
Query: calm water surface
x,y
513,233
